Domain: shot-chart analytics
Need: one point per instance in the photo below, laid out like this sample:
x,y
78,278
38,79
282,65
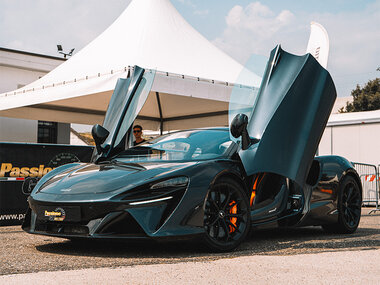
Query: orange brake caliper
x,y
233,220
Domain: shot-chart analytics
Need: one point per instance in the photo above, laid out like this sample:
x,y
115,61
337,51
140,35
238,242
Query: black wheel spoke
x,y
218,202
216,229
349,214
213,222
349,194
354,213
357,213
354,197
226,230
351,217
214,204
226,201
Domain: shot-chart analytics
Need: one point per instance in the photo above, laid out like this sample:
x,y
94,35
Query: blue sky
x,y
217,10
240,28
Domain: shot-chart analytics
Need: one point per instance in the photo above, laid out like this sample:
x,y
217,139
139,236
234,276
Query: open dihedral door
x,y
287,119
127,100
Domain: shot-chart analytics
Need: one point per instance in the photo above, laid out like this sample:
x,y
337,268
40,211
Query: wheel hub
x,y
221,214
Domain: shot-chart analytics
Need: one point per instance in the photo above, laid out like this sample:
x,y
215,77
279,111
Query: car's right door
x,y
287,118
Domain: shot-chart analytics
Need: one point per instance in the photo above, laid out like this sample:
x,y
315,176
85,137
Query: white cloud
x,y
257,16
250,29
233,18
354,38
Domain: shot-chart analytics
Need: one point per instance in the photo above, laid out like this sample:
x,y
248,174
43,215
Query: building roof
x,y
32,54
354,118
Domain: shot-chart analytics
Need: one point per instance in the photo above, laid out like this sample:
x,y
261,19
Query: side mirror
x,y
239,128
99,134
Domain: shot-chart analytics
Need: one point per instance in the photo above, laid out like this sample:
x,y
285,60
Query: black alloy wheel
x,y
349,207
226,216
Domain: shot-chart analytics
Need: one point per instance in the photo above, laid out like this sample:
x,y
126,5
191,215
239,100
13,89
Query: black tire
x,y
227,216
349,207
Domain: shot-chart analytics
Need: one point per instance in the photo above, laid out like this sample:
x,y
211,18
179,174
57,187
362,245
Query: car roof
x,y
202,129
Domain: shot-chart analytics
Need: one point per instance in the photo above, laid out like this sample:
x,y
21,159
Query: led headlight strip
x,y
150,201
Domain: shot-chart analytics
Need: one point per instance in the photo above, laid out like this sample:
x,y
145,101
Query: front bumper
x,y
104,220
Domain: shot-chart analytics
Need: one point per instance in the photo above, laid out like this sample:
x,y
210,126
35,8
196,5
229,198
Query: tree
x,y
365,99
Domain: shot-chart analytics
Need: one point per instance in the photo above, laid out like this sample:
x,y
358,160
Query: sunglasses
x,y
136,131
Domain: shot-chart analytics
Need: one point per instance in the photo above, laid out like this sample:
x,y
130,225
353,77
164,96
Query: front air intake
x,y
124,225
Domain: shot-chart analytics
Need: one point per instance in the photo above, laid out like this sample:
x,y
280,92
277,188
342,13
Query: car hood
x,y
107,177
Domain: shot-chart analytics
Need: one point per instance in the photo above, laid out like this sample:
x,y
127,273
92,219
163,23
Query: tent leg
x,y
160,111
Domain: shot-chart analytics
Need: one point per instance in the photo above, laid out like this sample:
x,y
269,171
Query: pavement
x,y
352,267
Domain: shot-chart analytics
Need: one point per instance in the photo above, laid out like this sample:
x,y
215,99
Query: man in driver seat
x,y
137,132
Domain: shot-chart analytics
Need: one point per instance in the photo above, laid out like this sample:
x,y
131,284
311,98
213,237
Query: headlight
x,y
173,182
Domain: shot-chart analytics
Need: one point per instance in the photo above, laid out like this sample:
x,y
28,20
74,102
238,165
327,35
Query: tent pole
x,y
160,111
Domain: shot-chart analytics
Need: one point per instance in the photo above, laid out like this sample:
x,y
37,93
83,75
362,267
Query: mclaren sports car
x,y
214,184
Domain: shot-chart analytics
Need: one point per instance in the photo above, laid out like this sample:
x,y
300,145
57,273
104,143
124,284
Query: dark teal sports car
x,y
215,183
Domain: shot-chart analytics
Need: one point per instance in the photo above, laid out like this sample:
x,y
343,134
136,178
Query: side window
x,y
196,153
175,150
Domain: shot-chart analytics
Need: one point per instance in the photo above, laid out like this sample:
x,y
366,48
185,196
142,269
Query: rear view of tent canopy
x,y
194,78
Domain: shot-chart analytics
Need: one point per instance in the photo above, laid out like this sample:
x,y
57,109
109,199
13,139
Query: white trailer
x,y
355,136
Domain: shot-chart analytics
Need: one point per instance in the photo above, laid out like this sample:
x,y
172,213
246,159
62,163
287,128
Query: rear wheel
x,y
227,216
349,207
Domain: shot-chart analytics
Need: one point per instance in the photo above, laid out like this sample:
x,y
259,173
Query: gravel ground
x,y
24,253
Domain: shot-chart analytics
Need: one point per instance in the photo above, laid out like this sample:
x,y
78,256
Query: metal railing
x,y
369,176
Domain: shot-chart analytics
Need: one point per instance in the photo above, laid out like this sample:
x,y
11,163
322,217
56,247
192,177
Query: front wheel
x,y
349,207
226,216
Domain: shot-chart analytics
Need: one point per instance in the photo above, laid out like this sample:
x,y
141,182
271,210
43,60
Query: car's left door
x,y
126,102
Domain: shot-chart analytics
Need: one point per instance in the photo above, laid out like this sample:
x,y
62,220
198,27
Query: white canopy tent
x,y
194,79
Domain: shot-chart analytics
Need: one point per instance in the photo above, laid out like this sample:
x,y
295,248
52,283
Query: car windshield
x,y
180,146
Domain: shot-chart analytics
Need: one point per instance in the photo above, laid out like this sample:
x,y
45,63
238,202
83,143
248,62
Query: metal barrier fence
x,y
369,176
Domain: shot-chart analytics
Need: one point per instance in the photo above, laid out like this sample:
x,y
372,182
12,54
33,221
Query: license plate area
x,y
59,213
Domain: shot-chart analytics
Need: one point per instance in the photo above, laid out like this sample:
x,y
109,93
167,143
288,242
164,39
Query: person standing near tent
x,y
137,132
